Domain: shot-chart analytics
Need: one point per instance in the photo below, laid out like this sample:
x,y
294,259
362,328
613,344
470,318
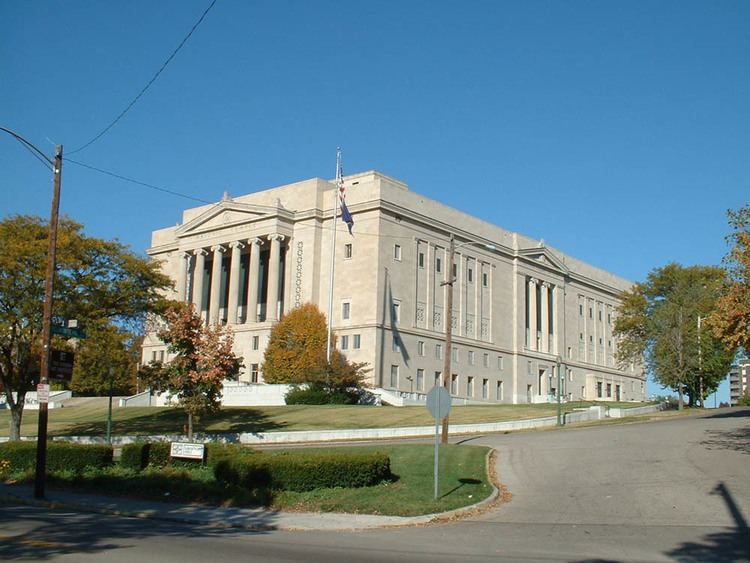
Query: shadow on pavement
x,y
730,545
33,534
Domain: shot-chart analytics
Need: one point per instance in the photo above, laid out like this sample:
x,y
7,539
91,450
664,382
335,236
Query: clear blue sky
x,y
616,131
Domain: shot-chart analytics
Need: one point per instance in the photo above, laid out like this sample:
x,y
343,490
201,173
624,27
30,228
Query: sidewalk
x,y
246,518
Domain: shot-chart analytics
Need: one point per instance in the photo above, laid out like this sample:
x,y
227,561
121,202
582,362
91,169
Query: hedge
x,y
156,454
61,456
301,471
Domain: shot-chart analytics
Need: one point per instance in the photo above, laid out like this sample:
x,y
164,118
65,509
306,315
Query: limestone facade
x,y
520,308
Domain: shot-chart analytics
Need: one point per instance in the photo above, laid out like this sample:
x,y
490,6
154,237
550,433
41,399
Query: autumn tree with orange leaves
x,y
731,320
203,359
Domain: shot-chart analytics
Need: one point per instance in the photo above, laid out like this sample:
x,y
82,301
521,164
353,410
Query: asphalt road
x,y
674,490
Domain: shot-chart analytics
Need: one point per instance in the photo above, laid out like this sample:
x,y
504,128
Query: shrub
x,y
156,454
303,471
318,394
61,456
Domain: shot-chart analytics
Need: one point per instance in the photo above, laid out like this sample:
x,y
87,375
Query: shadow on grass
x,y
462,483
172,421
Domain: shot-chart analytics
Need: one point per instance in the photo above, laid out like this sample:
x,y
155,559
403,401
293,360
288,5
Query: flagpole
x,y
329,341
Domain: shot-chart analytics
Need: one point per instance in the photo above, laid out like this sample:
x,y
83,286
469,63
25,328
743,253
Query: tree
x,y
96,281
659,320
731,320
296,354
107,352
203,360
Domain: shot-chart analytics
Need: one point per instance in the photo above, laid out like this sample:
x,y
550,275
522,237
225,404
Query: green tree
x,y
105,353
203,359
659,320
96,281
296,354
731,320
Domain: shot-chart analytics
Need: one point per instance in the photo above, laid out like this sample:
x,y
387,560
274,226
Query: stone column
x,y
532,314
544,298
274,279
198,275
183,261
556,304
213,304
251,315
234,281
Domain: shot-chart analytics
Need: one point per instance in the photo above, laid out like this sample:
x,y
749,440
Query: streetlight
x,y
448,353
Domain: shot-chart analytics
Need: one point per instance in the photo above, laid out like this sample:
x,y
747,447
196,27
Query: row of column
x,y
540,336
253,279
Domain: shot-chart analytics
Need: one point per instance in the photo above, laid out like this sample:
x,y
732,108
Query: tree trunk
x,y
16,414
190,427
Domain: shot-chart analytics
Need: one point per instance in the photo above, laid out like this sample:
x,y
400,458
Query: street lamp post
x,y
448,316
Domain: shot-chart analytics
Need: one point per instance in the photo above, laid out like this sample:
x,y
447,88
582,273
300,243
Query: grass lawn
x,y
463,481
144,421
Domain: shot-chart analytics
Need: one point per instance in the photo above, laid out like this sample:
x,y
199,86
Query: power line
x,y
138,182
39,155
150,82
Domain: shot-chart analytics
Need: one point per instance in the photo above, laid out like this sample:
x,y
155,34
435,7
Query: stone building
x,y
520,310
738,381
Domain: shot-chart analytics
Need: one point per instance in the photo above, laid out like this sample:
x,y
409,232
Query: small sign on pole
x,y
42,393
439,405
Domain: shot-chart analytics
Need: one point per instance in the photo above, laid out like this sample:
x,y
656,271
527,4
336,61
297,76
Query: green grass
x,y
144,421
463,481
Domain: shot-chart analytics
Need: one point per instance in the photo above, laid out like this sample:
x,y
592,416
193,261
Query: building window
x,y
454,354
345,342
394,377
439,351
470,275
499,391
600,315
486,360
469,386
346,310
395,343
256,342
609,390
471,357
438,378
438,265
454,384
485,388
570,352
356,341
253,373
348,250
609,318
599,389
397,252
455,270
420,348
420,259
591,312
420,380
500,363
485,280
530,367
580,309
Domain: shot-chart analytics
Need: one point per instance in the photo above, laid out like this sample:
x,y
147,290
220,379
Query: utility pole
x,y
700,361
448,315
41,447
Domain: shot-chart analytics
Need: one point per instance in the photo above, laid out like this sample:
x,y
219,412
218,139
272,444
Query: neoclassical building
x,y
520,308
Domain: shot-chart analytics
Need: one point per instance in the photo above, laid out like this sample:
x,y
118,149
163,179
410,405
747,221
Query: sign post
x,y
439,405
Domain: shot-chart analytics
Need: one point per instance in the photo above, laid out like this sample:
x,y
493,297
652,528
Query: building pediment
x,y
226,214
541,255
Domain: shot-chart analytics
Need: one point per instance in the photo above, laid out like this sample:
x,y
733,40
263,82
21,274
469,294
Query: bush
x,y
61,456
140,455
317,394
302,471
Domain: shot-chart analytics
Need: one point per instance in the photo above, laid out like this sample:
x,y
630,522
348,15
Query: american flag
x,y
346,217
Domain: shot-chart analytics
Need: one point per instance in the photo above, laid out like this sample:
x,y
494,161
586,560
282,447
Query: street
x,y
671,490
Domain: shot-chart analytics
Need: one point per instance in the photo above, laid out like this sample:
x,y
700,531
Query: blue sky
x,y
616,131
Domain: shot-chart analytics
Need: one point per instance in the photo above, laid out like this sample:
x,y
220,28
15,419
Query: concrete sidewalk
x,y
246,518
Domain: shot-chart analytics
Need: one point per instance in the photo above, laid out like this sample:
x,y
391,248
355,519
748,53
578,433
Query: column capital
x,y
255,241
533,281
200,252
184,254
236,244
546,285
218,248
276,237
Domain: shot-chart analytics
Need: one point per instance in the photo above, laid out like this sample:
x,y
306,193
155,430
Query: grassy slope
x,y
91,420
